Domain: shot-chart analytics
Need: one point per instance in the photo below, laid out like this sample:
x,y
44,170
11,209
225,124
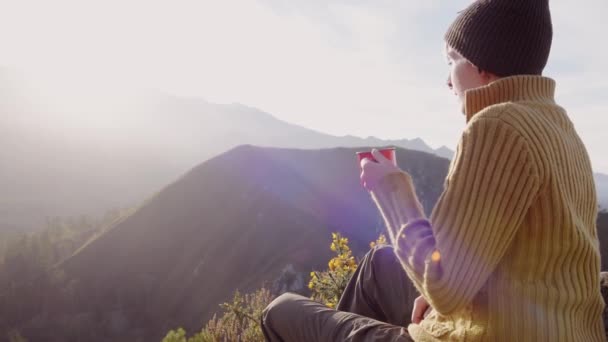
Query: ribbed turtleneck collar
x,y
509,89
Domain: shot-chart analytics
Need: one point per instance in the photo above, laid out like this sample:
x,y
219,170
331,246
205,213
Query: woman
x,y
510,252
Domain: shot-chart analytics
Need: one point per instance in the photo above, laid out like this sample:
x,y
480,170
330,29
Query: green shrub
x,y
240,320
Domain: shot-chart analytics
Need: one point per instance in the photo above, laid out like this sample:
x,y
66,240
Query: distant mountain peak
x,y
444,152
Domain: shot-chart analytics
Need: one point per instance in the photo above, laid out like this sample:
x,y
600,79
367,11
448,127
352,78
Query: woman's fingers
x,y
370,172
376,168
379,156
364,163
428,311
420,307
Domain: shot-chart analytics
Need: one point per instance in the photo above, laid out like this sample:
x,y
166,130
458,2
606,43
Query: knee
x,y
278,308
382,255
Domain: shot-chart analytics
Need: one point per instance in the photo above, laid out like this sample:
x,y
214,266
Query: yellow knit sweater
x,y
510,252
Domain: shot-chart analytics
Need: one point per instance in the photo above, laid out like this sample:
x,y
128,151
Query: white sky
x,y
343,67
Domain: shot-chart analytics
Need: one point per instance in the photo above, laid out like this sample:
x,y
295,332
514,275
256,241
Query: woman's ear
x,y
488,77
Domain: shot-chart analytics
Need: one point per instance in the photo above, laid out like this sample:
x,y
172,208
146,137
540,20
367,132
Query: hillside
x,y
602,229
234,221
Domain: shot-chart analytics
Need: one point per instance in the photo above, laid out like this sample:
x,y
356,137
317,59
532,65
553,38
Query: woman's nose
x,y
449,82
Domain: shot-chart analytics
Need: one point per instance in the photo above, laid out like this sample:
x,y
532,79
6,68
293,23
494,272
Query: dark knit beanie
x,y
504,37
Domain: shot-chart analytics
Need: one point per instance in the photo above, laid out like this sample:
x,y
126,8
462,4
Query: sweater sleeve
x,y
490,185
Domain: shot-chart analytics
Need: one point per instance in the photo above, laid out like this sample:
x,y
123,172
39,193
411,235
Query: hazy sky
x,y
343,67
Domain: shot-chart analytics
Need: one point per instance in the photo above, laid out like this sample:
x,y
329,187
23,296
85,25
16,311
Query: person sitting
x,y
510,251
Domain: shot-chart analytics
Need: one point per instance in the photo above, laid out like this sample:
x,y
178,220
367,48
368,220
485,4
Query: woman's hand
x,y
421,309
373,172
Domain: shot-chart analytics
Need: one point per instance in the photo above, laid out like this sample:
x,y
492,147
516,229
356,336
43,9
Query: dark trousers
x,y
376,306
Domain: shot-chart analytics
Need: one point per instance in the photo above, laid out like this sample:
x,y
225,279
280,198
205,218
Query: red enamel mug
x,y
389,153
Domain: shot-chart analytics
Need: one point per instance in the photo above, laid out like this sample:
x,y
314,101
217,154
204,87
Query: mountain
x,y
234,221
72,150
601,184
